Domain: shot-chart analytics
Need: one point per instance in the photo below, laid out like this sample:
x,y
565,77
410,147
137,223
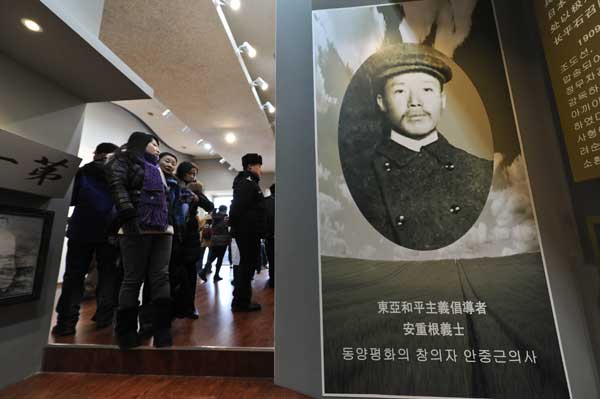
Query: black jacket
x,y
423,200
247,214
270,216
220,230
125,179
94,214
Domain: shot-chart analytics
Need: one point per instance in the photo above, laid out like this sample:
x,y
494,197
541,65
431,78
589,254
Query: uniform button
x,y
400,220
387,166
455,209
449,166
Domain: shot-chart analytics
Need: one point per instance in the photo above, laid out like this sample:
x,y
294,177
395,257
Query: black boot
x,y
64,328
146,317
126,328
163,313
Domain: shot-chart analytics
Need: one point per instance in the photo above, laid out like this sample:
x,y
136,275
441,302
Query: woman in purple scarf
x,y
139,191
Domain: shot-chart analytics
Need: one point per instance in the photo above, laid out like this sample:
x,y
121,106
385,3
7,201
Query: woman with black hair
x,y
139,191
184,286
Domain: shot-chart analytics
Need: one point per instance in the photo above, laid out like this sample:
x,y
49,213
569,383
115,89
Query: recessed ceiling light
x,y
31,25
166,112
222,161
211,152
199,141
185,129
230,138
235,4
207,146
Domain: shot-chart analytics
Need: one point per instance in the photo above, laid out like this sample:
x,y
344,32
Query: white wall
x,y
34,108
107,122
87,13
218,179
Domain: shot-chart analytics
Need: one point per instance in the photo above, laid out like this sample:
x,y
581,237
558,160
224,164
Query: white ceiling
x,y
183,52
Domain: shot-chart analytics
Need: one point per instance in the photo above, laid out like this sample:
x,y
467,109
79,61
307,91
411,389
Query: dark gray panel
x,y
297,333
60,54
567,274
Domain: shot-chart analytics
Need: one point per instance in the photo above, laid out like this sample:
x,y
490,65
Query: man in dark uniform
x,y
427,193
88,232
247,221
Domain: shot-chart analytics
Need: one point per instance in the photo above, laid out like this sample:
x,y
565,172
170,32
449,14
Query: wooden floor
x,y
99,386
217,325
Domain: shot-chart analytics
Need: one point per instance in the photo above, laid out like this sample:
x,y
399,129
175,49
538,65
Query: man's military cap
x,y
251,159
409,57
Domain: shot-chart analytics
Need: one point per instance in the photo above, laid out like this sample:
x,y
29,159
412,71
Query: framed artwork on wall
x,y
24,240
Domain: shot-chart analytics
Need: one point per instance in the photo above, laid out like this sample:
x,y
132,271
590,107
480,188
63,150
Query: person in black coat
x,y
88,234
270,234
190,250
247,221
139,190
219,241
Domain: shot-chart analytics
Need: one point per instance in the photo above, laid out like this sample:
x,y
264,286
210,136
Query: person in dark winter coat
x,y
185,276
247,221
88,234
270,234
139,190
168,164
220,239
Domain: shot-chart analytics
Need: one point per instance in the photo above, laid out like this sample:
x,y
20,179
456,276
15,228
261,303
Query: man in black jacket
x,y
247,221
88,233
270,234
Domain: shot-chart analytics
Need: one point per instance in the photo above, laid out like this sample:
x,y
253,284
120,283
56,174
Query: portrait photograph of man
x,y
424,200
426,193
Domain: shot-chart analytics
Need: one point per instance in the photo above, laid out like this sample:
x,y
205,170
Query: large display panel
x,y
432,278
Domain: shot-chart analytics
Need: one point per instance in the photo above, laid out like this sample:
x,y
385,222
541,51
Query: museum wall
x,y
217,178
87,13
107,122
36,109
297,313
572,284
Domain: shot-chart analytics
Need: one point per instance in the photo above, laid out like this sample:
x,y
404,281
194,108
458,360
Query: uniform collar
x,y
413,144
402,156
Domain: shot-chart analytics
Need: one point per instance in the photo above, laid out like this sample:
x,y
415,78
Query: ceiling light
x,y
185,129
260,82
222,161
207,146
211,152
166,112
31,25
199,141
231,168
269,107
230,138
248,49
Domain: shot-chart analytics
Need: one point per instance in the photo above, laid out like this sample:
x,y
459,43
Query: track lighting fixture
x,y
260,82
269,107
248,49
